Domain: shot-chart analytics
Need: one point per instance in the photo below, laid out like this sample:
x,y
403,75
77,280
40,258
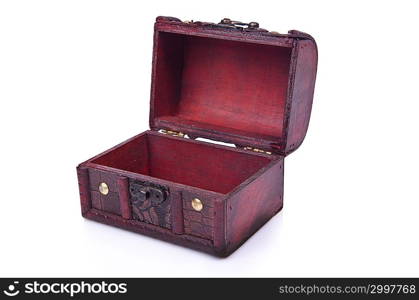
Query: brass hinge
x,y
173,133
257,150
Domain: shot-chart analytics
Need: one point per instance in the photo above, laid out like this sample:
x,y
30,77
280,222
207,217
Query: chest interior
x,y
227,87
193,163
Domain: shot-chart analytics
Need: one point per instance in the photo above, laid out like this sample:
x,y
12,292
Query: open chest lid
x,y
233,82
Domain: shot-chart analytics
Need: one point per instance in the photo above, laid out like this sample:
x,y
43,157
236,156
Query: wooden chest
x,y
231,82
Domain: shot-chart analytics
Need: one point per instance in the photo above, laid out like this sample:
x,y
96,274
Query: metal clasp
x,y
238,24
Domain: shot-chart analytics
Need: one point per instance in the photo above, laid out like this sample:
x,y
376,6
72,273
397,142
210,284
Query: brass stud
x,y
197,204
103,188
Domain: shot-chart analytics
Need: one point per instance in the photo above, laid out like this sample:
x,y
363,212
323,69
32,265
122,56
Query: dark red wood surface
x,y
229,84
185,162
253,204
226,164
249,87
301,96
124,200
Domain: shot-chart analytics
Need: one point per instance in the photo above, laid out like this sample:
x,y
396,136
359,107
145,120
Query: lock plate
x,y
150,203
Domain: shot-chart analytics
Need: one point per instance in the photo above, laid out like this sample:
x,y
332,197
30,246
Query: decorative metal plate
x,y
150,203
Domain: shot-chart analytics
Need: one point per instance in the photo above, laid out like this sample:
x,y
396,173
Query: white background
x,y
75,80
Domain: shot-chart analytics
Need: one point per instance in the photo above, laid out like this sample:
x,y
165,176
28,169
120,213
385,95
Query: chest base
x,y
192,193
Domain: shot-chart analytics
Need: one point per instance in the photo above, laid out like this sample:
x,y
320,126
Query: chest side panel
x,y
254,205
302,94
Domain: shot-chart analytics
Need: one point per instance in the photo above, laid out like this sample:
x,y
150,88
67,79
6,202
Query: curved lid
x,y
233,82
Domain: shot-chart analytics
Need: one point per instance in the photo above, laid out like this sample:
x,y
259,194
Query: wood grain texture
x,y
236,86
253,204
177,211
110,202
212,222
301,94
183,161
198,223
124,201
249,87
152,231
220,239
84,192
